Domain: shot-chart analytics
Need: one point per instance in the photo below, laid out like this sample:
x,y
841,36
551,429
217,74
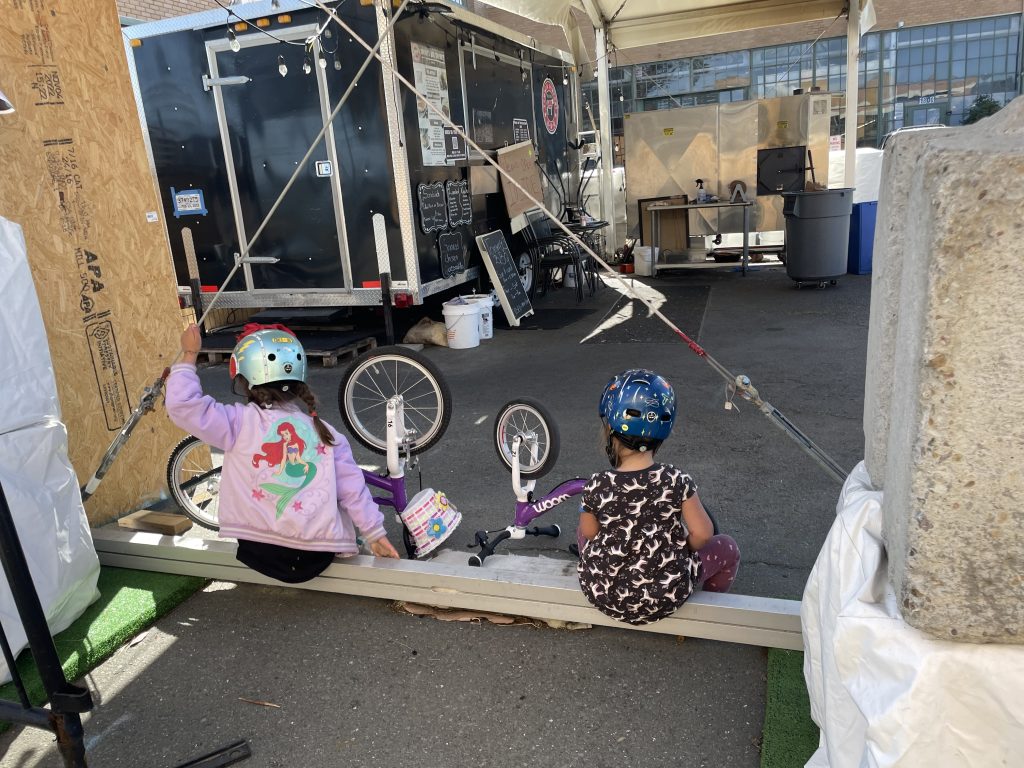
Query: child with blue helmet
x,y
646,541
291,492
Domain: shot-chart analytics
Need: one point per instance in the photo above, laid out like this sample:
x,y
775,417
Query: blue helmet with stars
x,y
639,407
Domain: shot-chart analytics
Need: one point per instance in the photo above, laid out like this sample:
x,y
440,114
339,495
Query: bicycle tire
x,y
379,375
523,416
196,494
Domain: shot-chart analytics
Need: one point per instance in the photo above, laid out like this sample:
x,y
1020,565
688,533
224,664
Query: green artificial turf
x,y
789,737
129,602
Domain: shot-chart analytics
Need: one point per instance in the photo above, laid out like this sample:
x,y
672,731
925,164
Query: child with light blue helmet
x,y
291,492
646,541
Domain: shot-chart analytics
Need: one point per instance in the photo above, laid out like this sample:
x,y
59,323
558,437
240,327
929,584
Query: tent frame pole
x,y
852,85
605,124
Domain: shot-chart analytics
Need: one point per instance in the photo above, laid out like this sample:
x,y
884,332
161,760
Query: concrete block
x,y
899,166
954,466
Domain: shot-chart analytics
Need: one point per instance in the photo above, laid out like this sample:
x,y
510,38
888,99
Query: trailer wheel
x,y
524,263
383,373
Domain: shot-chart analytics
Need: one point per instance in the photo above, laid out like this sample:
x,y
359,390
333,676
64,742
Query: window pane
x,y
915,74
999,46
959,50
916,56
986,48
988,26
942,53
972,67
959,69
929,54
973,49
986,67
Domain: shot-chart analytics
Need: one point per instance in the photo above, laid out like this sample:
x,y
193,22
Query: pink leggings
x,y
720,562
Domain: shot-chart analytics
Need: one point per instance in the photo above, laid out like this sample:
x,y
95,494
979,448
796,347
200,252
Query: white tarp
x,y
36,475
868,170
650,22
883,693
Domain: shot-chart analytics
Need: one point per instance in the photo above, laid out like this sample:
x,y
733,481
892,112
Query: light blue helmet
x,y
639,405
268,355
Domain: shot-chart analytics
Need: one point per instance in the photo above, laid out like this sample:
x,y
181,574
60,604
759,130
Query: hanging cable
x,y
741,382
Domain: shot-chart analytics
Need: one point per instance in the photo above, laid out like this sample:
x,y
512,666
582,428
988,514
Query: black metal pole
x,y
385,300
66,700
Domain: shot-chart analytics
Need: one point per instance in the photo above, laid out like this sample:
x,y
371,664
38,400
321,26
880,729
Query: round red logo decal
x,y
549,105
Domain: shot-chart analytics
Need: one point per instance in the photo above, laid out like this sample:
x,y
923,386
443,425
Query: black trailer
x,y
231,101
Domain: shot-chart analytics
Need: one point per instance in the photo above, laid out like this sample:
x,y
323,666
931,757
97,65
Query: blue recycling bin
x,y
862,238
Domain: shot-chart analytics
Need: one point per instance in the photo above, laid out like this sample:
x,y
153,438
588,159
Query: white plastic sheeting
x,y
36,475
883,693
868,170
649,22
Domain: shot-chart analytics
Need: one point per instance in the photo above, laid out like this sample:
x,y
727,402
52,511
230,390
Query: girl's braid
x,y
304,393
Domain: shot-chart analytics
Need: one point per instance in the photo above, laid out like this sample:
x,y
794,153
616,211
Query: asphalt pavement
x,y
349,681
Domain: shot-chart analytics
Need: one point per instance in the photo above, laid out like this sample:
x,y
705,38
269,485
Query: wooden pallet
x,y
328,356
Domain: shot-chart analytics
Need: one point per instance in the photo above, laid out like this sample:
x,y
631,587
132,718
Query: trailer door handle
x,y
209,82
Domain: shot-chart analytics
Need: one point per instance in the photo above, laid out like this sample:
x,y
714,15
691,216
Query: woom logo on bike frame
x,y
546,504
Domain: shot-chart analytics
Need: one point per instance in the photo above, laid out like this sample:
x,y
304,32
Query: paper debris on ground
x,y
260,703
455,614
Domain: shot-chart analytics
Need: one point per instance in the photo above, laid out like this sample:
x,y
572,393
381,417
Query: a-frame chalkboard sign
x,y
504,276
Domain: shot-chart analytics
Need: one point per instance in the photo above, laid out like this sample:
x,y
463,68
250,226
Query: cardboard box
x,y
77,180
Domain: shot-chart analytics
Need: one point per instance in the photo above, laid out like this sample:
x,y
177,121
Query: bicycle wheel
x,y
193,478
527,418
383,373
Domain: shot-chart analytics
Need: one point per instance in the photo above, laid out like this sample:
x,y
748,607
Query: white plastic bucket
x,y
642,260
486,304
431,519
569,278
462,321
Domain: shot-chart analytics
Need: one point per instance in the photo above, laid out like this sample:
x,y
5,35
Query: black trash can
x,y
817,234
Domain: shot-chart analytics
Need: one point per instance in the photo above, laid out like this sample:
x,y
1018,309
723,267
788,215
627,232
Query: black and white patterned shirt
x,y
638,568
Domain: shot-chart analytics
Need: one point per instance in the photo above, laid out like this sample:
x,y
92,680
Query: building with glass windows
x,y
908,76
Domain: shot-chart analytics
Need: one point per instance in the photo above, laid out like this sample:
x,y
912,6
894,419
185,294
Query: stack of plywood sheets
x,y
77,180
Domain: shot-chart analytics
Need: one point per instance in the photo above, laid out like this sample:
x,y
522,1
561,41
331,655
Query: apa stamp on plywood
x,y
106,364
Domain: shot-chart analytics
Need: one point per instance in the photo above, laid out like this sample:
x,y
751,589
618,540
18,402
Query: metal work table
x,y
655,210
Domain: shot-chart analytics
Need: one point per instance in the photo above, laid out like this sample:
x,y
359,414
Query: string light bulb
x,y
281,66
620,95
565,78
337,64
322,61
233,43
307,67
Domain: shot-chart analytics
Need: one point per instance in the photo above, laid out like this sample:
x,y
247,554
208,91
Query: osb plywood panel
x,y
76,178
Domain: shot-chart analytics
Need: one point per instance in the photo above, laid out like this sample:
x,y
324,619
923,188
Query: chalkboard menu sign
x,y
452,252
504,276
433,208
460,207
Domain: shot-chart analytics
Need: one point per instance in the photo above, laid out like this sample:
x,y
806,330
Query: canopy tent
x,y
624,24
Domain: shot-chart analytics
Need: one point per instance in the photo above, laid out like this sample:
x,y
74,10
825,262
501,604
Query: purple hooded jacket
x,y
279,484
